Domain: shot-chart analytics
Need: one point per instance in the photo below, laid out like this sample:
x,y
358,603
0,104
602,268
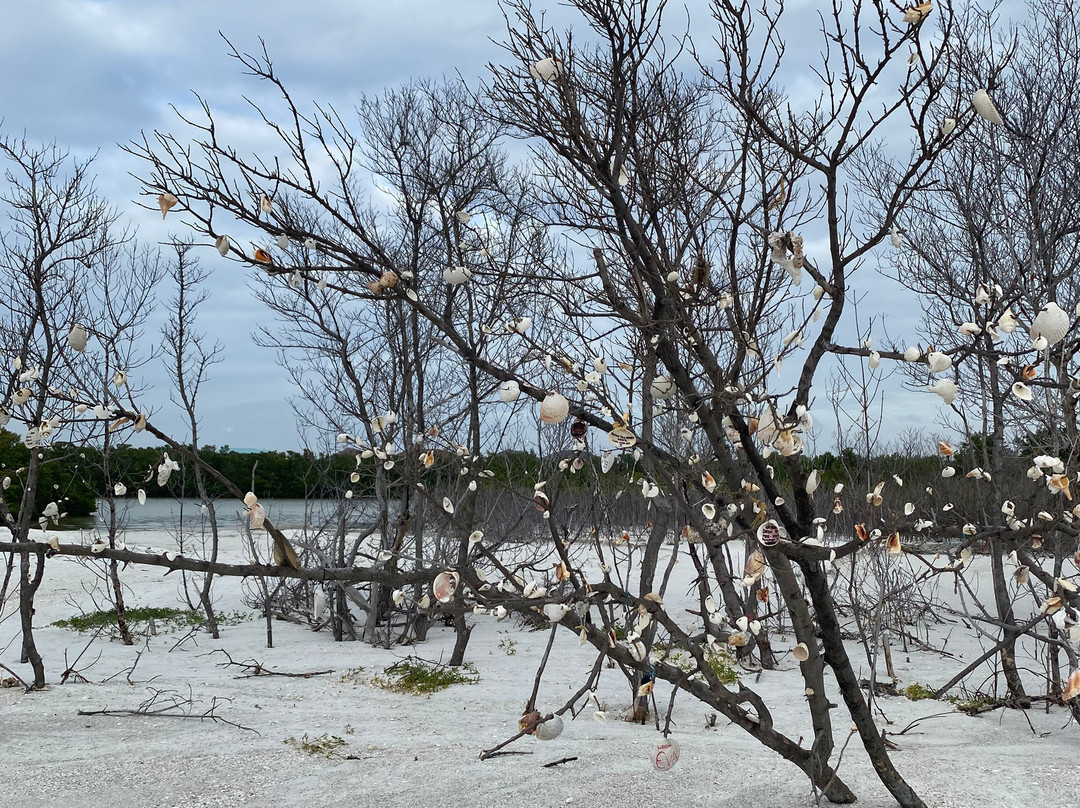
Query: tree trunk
x,y
28,586
835,654
1005,614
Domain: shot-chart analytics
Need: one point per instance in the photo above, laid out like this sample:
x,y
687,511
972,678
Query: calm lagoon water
x,y
171,514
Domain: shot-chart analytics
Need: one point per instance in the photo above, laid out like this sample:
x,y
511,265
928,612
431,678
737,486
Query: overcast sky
x,y
92,74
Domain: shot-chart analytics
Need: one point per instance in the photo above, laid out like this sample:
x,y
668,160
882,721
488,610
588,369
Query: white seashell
x,y
546,69
77,337
447,505
1051,323
969,329
985,107
874,360
912,354
948,471
549,730
556,611
665,754
801,652
554,408
607,460
938,361
1022,391
283,241
455,276
948,126
1007,322
509,391
945,388
662,388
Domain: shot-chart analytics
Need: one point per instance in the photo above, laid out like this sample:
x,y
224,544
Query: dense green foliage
x,y
61,478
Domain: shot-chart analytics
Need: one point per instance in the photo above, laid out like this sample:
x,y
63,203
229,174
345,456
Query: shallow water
x,y
186,514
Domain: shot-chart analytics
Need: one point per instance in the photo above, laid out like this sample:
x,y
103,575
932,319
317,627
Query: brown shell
x,y
755,565
388,280
263,257
528,722
166,202
541,501
892,544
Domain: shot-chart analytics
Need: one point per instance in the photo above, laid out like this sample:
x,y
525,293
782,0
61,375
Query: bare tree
x,y
694,197
189,361
994,243
57,230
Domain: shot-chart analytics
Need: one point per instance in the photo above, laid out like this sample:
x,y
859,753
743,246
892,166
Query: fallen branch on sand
x,y
255,668
170,704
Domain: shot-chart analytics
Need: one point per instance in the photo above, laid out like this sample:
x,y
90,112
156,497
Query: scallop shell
x,y
554,408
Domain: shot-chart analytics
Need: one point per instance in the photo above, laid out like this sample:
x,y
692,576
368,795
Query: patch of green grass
x,y
325,746
917,692
166,616
508,645
421,678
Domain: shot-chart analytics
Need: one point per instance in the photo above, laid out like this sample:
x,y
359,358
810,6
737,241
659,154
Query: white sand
x,y
423,751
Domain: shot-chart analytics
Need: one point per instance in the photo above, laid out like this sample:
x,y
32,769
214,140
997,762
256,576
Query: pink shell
x,y
444,586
